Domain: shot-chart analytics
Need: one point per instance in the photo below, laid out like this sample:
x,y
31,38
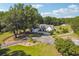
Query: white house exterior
x,y
43,28
49,29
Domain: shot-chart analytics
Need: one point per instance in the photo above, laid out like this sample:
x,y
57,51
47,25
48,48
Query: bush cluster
x,y
66,47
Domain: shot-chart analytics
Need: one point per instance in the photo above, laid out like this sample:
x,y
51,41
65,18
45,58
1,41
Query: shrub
x,y
66,47
65,30
51,32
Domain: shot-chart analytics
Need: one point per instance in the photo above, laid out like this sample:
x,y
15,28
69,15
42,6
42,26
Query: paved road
x,y
44,39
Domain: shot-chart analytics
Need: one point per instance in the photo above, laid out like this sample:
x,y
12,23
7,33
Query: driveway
x,y
76,42
44,39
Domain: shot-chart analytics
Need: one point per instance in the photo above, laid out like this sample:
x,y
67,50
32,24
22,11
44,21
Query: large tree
x,y
21,17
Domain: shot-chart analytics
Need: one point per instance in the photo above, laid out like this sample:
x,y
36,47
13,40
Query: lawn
x,y
37,50
4,35
59,29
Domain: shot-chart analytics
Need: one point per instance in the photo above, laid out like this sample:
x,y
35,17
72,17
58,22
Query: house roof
x,y
46,26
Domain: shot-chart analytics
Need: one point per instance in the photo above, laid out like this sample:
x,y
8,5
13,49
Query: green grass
x,y
37,50
4,35
59,29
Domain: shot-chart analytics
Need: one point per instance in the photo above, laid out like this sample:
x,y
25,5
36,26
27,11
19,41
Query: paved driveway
x,y
44,39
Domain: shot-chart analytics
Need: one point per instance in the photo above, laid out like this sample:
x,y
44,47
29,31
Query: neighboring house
x,y
43,28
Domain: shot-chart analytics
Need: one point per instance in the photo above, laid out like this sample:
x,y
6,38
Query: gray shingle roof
x,y
46,26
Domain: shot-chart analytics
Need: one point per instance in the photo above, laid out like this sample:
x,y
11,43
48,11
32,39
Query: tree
x,y
32,16
53,20
21,17
2,25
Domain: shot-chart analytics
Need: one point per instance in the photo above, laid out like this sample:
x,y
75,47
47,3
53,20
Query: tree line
x,y
21,17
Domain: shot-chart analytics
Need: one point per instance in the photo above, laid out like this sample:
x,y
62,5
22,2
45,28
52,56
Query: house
x,y
43,28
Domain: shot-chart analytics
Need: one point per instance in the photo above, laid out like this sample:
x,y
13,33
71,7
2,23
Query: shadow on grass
x,y
4,52
18,53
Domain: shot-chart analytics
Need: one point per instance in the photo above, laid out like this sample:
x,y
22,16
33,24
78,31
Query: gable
x,y
49,29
